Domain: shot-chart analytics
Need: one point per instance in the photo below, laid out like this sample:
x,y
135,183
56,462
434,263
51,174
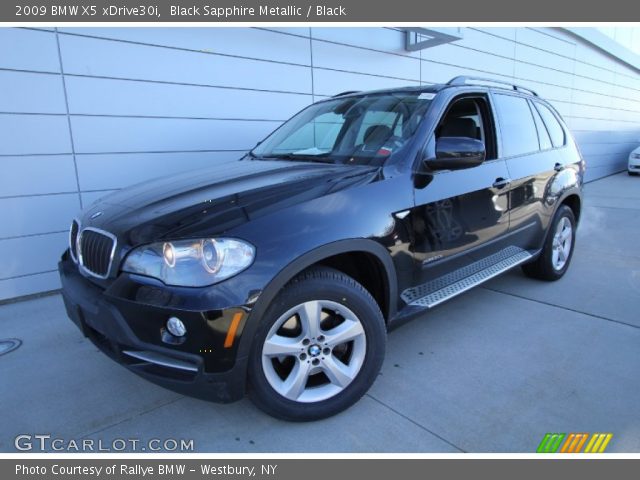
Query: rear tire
x,y
554,260
319,348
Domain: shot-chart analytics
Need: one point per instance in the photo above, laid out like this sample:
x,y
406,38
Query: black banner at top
x,y
262,11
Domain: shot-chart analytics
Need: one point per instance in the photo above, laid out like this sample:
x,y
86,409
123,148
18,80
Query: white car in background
x,y
634,162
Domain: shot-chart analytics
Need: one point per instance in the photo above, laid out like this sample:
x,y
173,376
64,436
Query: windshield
x,y
364,130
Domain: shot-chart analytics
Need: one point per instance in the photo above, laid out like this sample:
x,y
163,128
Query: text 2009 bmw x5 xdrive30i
x,y
280,274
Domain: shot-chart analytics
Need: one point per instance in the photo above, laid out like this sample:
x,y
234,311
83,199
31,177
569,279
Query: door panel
x,y
530,176
458,218
527,148
460,215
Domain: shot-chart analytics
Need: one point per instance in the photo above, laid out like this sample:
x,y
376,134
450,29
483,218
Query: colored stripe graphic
x,y
569,444
598,443
550,442
573,442
544,441
581,443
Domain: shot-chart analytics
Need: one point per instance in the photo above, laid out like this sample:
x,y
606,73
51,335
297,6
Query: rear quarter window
x,y
556,132
543,133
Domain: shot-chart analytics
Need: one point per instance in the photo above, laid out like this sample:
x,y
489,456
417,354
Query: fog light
x,y
176,327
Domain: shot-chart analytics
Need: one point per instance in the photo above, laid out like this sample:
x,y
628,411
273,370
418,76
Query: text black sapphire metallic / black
x,y
237,11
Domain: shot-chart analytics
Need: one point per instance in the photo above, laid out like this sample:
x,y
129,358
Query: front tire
x,y
553,261
319,348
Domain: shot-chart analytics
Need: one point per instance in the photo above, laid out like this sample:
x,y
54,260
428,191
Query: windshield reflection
x,y
360,129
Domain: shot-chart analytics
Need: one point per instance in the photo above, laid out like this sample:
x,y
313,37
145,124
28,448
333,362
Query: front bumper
x,y
131,333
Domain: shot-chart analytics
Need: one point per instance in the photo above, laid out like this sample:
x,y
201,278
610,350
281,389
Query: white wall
x,y
628,37
86,111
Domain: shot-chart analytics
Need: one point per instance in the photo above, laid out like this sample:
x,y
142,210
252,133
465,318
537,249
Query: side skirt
x,y
423,297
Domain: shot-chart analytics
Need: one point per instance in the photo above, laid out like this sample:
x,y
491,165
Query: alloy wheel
x,y
562,243
314,351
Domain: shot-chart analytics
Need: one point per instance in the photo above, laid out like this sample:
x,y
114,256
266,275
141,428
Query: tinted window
x,y
517,126
462,120
321,133
468,117
364,129
555,129
543,135
372,119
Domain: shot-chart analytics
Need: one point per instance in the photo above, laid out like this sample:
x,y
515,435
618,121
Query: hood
x,y
214,200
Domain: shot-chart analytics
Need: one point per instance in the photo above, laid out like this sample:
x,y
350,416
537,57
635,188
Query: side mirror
x,y
456,153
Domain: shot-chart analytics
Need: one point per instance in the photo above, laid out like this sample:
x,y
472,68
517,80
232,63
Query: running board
x,y
448,286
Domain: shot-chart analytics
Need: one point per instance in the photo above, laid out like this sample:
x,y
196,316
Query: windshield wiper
x,y
292,156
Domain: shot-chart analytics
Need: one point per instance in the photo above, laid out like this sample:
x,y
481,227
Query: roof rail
x,y
348,92
464,80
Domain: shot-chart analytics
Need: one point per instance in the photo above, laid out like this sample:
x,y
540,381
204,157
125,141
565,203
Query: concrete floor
x,y
490,371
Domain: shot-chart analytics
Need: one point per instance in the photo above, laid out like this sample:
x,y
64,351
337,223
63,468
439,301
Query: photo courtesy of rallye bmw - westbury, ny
x,y
280,274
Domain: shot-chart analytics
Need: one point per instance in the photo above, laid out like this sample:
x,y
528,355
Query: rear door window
x,y
517,126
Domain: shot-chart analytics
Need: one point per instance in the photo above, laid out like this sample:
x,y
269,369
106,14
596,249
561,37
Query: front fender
x,y
305,261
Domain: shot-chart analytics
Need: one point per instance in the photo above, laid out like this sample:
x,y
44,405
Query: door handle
x,y
558,167
500,182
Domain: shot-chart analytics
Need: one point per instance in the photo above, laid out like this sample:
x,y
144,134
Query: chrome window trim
x,y
111,255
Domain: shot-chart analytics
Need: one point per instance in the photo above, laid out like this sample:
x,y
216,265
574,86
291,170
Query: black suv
x,y
280,274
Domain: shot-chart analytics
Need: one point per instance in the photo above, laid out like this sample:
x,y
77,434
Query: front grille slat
x,y
90,252
103,261
96,247
94,253
87,250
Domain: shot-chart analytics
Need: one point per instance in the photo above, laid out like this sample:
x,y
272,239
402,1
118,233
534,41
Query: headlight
x,y
191,263
635,155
